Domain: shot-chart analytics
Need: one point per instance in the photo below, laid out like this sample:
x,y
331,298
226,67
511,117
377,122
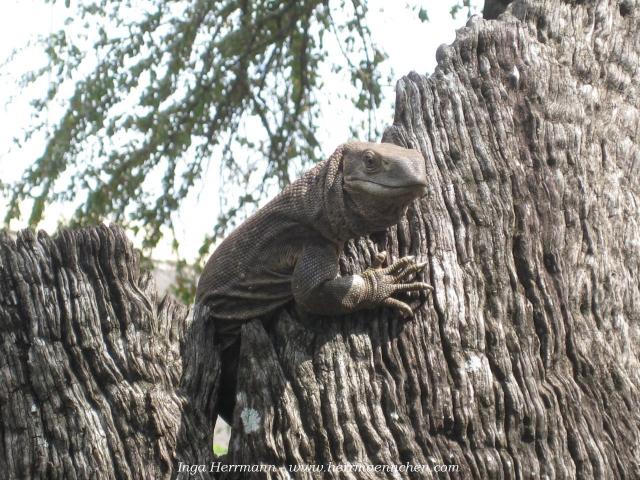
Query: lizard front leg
x,y
318,287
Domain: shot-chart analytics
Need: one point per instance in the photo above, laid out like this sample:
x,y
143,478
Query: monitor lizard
x,y
289,249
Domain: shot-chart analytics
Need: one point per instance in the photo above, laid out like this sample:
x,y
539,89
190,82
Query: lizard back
x,y
249,274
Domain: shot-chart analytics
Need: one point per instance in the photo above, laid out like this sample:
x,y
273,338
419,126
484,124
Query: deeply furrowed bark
x,y
522,364
524,361
90,359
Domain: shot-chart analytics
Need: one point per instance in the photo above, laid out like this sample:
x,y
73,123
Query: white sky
x,y
393,28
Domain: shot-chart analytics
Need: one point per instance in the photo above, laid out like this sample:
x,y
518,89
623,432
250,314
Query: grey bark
x,y
90,361
524,361
522,364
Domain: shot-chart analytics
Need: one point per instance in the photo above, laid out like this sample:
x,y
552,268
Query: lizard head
x,y
383,170
380,180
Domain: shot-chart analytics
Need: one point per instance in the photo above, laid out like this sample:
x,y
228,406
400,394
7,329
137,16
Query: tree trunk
x,y
522,364
493,8
524,361
90,359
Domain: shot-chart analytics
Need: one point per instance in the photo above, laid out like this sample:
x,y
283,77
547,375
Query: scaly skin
x,y
289,249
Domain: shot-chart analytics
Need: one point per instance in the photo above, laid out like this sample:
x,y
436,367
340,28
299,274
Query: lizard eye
x,y
371,161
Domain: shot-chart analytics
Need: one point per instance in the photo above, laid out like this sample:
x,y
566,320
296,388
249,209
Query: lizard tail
x,y
202,367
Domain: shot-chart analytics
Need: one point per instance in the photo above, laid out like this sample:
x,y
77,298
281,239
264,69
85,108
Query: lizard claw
x,y
379,259
395,303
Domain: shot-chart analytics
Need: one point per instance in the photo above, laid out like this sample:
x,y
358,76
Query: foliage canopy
x,y
176,83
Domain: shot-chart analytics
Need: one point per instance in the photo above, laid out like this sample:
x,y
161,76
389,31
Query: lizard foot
x,y
393,279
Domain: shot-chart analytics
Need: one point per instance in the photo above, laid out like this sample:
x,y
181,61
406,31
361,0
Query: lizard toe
x,y
395,303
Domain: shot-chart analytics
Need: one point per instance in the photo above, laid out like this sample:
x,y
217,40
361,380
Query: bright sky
x,y
393,26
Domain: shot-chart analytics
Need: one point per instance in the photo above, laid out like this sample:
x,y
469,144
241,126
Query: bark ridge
x,y
90,359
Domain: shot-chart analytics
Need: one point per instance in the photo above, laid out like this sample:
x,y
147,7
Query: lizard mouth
x,y
377,188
